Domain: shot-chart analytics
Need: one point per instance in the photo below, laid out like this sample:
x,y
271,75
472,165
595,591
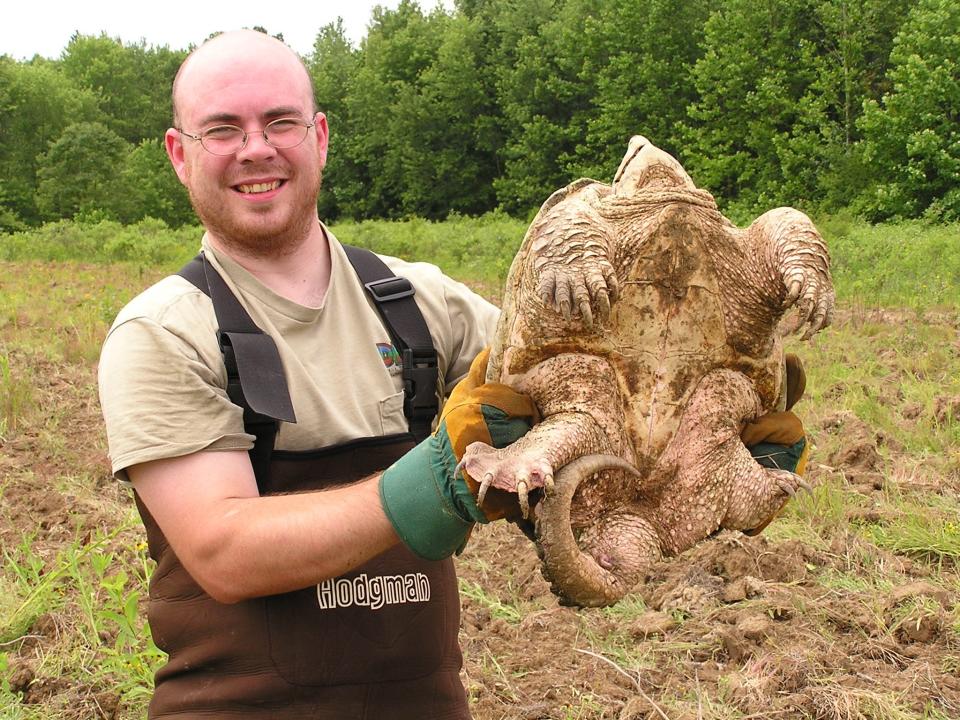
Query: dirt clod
x,y
862,456
920,627
946,410
919,589
20,675
742,588
755,628
652,623
107,704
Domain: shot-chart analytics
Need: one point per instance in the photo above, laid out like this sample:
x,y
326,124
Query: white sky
x,y
44,27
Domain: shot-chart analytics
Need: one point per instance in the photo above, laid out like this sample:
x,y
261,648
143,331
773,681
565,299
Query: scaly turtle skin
x,y
644,325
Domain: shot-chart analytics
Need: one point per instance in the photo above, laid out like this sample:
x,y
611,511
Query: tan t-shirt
x,y
163,381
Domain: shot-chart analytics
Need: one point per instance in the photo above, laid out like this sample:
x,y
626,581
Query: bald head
x,y
233,52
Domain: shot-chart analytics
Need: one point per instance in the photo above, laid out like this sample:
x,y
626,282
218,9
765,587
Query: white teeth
x,y
259,187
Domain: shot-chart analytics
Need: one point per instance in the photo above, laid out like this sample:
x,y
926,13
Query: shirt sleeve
x,y
162,396
473,323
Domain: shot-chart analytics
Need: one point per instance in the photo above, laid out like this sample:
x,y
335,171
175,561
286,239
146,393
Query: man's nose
x,y
257,147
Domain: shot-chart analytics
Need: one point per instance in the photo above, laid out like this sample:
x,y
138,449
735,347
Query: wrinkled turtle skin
x,y
645,326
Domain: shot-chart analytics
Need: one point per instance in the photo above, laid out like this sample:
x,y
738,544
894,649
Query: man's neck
x,y
301,273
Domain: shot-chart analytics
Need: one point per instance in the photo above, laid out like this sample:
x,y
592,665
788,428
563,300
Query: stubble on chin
x,y
260,237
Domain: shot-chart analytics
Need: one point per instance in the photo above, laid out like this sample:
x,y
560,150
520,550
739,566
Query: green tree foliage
x,y
755,83
854,40
780,85
498,103
545,95
912,135
78,174
131,82
644,82
332,66
418,113
150,188
400,45
36,103
449,157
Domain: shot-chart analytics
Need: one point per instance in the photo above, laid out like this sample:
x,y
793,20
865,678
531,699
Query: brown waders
x,y
379,643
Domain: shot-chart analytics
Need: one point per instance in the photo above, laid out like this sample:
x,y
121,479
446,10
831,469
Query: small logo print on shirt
x,y
391,358
373,592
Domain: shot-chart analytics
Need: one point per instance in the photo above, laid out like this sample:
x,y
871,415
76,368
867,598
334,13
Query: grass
x,y
102,592
16,397
919,534
907,265
505,611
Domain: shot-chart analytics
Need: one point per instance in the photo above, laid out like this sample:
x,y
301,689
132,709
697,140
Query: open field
x,y
847,607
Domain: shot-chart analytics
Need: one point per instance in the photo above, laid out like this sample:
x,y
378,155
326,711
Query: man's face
x,y
260,200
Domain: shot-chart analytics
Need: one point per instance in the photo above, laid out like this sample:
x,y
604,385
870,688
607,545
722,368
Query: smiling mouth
x,y
259,187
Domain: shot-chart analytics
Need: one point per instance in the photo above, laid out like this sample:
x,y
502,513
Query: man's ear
x,y
173,142
323,136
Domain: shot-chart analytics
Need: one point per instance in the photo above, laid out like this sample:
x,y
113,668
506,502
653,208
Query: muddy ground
x,y
812,619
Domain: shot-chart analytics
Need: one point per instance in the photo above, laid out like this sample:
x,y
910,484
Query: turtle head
x,y
647,167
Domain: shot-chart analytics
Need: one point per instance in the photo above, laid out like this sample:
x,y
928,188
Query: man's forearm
x,y
282,543
238,545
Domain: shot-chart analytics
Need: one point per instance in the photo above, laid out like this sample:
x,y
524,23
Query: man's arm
x,y
238,545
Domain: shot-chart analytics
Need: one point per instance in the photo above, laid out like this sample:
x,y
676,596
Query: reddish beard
x,y
261,237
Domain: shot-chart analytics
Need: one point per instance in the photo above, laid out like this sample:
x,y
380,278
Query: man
x,y
295,599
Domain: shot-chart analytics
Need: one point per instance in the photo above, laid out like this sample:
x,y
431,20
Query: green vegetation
x,y
86,581
911,264
907,264
818,104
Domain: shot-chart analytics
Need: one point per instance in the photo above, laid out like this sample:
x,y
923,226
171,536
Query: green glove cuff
x,y
778,457
431,514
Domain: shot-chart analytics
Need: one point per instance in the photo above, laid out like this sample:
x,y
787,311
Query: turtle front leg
x,y
802,264
572,251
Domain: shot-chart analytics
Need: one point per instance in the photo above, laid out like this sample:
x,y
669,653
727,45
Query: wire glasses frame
x,y
282,134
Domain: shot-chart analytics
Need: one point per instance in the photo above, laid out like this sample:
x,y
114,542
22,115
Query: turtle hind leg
x,y
714,482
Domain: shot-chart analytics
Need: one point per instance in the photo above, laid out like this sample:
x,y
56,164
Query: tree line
x,y
826,105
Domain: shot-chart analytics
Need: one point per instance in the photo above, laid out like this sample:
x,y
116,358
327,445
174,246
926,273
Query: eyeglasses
x,y
281,134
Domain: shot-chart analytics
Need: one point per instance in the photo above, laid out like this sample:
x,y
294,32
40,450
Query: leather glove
x,y
777,439
428,500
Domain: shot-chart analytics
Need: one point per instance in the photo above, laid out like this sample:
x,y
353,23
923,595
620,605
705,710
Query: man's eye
x,y
222,132
285,125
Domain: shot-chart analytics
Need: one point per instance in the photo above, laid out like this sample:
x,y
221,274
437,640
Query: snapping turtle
x,y
644,325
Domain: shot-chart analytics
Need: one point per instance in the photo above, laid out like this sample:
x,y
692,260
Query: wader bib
x,y
377,643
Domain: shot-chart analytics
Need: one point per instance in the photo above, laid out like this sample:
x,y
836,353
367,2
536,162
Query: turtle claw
x,y
579,290
793,292
814,301
484,486
786,487
523,498
793,483
548,482
586,312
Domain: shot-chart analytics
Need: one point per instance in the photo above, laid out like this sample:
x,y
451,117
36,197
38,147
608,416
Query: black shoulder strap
x,y
256,381
393,297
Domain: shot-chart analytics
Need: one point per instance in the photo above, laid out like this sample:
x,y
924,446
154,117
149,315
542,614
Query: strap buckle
x,y
420,373
390,288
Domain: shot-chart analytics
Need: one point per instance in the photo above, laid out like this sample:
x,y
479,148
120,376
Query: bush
x,y
95,240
